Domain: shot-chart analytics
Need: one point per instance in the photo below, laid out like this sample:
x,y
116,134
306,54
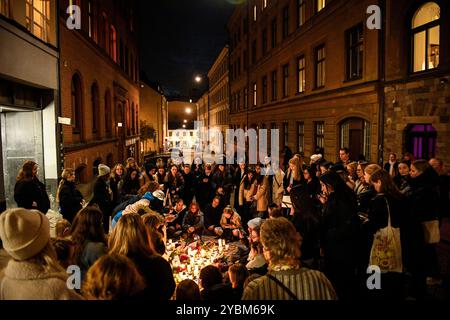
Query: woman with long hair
x,y
105,280
246,200
174,183
294,175
69,198
88,237
193,221
423,199
156,231
33,273
388,203
131,185
129,238
402,179
29,192
339,229
115,179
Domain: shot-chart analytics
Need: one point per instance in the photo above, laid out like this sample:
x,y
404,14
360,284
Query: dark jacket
x,y
196,221
189,188
102,198
114,185
218,292
69,200
212,215
205,190
28,191
424,196
387,167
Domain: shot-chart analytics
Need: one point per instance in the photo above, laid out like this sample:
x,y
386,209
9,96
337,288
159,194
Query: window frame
x,y
317,63
301,70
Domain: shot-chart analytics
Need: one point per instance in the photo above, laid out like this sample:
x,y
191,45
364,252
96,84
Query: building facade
x,y
153,118
315,71
99,86
219,93
29,91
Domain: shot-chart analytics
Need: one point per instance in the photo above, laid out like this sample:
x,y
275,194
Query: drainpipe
x,y
382,79
59,131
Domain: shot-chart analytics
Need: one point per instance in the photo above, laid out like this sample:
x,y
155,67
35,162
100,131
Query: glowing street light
x,y
198,79
185,121
188,110
184,126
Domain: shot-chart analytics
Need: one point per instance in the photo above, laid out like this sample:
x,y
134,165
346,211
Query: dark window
x,y
274,85
264,89
274,33
319,135
300,136
285,22
245,22
301,74
286,134
254,52
421,140
245,98
108,112
95,108
77,108
238,100
113,43
355,52
285,80
320,66
264,42
245,58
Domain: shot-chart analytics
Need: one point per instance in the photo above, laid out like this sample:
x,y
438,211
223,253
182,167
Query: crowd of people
x,y
308,224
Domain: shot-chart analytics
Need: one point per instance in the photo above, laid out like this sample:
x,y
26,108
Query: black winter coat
x,y
424,196
28,191
69,200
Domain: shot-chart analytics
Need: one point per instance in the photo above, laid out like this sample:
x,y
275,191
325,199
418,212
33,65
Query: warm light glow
x,y
185,121
120,125
184,126
198,79
188,110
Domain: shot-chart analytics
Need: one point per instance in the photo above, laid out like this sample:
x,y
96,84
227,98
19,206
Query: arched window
x,y
95,108
77,107
113,43
105,28
108,113
425,27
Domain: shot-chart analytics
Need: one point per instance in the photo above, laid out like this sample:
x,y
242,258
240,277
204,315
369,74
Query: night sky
x,y
180,39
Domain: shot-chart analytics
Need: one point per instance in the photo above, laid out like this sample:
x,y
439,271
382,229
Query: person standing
x,y
189,185
103,195
392,165
115,179
277,184
69,198
444,187
29,192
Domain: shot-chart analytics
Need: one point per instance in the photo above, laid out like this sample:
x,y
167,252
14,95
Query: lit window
x,y
355,52
254,94
320,4
301,12
264,2
255,9
425,37
320,66
301,74
38,18
113,43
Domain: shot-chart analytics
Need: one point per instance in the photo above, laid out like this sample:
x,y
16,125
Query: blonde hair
x,y
62,228
112,277
66,174
129,237
371,168
48,261
113,171
298,167
279,236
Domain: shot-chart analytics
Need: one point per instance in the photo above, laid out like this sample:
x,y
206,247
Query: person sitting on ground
x,y
105,280
237,274
141,207
187,290
175,219
213,214
256,261
193,222
286,279
230,225
33,273
275,213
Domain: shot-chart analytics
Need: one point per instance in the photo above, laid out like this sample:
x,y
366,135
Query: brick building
x,y
29,91
99,85
219,93
153,117
315,71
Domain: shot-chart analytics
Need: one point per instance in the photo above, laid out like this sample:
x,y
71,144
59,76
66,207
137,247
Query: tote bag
x,y
431,231
286,202
386,250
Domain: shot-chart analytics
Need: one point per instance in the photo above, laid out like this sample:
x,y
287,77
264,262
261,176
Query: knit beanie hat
x,y
24,232
103,170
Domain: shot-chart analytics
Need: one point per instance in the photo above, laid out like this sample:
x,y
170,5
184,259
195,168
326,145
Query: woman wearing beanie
x,y
33,273
103,196
69,198
29,192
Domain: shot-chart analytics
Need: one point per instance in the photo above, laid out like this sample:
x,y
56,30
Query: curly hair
x,y
105,280
87,226
279,237
27,171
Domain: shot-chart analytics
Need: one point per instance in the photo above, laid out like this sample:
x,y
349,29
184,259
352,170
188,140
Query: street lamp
x,y
188,110
198,79
185,121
